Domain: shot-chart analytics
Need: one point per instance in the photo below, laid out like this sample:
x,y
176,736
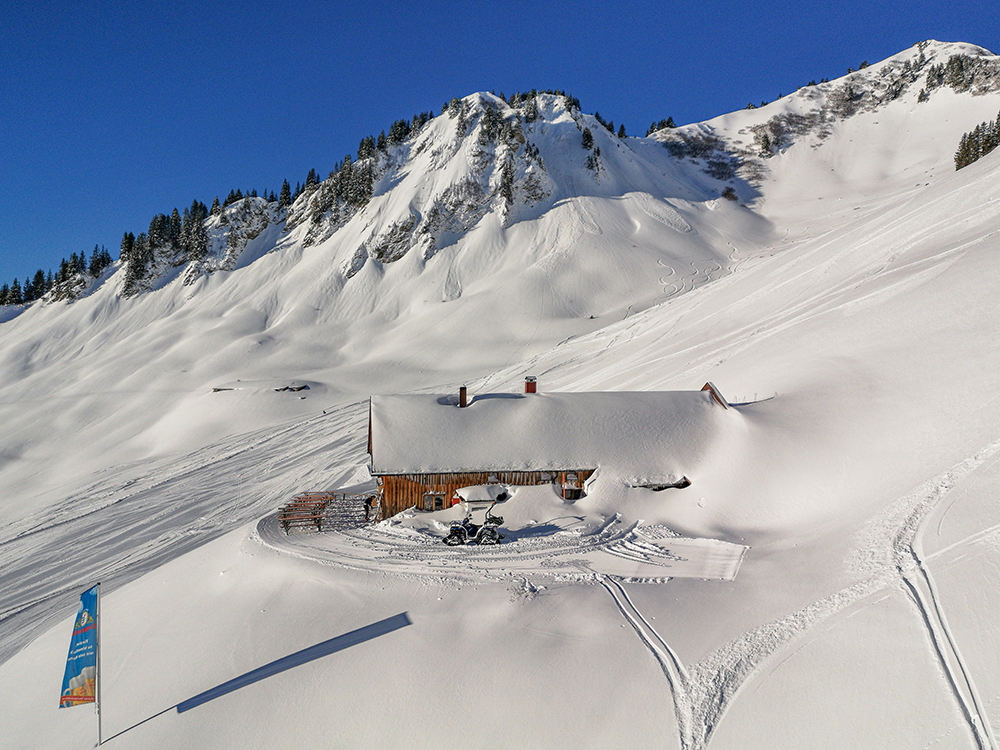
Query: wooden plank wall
x,y
404,491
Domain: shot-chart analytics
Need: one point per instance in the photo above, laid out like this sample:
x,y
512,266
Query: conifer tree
x,y
128,242
621,130
216,208
4,291
174,227
507,182
588,139
366,148
197,244
135,266
285,197
531,110
158,231
668,123
14,296
100,260
974,145
399,131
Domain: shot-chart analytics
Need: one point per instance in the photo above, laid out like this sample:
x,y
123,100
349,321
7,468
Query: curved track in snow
x,y
612,549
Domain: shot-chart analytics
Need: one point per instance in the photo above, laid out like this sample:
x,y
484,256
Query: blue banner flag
x,y
80,681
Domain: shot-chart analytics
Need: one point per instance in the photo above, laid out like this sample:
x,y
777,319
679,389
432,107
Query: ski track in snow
x,y
116,532
702,272
670,664
703,692
184,490
117,529
889,556
924,591
893,559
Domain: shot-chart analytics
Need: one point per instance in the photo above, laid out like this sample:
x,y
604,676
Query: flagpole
x,y
98,675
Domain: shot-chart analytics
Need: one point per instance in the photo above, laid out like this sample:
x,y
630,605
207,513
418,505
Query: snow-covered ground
x,y
840,548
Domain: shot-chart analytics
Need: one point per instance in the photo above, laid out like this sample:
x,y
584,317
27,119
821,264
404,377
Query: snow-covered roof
x,y
641,434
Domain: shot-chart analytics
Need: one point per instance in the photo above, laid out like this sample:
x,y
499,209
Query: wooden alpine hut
x,y
425,447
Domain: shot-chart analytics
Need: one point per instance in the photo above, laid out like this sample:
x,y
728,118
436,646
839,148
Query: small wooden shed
x,y
424,447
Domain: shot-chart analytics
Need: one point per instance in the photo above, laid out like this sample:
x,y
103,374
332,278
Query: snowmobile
x,y
467,532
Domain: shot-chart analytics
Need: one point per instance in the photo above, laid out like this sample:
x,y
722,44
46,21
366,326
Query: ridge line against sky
x,y
112,114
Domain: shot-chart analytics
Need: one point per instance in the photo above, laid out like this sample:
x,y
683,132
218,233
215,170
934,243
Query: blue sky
x,y
111,112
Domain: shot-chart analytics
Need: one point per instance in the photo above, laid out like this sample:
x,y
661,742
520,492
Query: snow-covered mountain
x,y
821,251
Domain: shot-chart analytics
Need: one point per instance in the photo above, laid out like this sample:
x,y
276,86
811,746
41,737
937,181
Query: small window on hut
x,y
433,501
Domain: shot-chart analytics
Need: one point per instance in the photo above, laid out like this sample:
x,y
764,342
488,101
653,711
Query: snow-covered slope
x,y
845,302
471,285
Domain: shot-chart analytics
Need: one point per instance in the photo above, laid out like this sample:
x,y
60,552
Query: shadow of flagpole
x,y
367,633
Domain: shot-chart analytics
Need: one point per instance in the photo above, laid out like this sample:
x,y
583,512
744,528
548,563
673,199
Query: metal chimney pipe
x,y
529,384
463,397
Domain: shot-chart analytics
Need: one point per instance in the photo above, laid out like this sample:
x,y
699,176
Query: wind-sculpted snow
x,y
844,514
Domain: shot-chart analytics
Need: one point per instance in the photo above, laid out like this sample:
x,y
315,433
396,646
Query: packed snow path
x,y
644,554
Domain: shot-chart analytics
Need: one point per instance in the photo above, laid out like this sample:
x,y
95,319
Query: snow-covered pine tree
x,y
135,265
531,109
128,243
507,182
174,227
974,145
366,148
667,123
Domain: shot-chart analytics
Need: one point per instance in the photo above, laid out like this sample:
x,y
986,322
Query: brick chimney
x,y
529,384
463,397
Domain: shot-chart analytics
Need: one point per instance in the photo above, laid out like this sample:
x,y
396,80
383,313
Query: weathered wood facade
x,y
437,491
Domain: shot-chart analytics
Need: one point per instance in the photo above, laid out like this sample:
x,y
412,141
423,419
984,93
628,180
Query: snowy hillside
x,y
844,303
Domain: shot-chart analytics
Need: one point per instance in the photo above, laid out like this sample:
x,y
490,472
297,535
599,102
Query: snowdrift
x,y
845,303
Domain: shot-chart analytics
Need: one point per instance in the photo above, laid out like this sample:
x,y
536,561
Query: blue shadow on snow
x,y
367,633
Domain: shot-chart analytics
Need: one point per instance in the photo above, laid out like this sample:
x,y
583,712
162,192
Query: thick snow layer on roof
x,y
657,435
